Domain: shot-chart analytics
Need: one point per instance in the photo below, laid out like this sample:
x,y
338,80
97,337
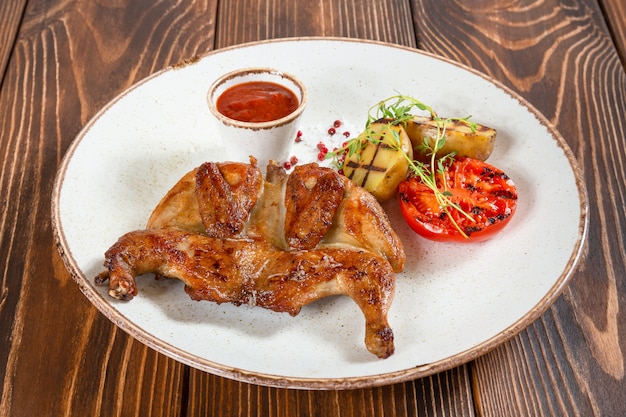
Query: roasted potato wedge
x,y
460,138
380,163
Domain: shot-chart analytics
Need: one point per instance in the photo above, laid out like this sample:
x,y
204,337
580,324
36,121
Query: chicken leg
x,y
256,273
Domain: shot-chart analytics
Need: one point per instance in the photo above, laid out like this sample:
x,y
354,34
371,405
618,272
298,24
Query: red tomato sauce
x,y
257,101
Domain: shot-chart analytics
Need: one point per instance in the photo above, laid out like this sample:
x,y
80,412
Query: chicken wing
x,y
311,207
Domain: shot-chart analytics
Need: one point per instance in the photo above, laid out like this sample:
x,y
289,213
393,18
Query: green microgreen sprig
x,y
400,109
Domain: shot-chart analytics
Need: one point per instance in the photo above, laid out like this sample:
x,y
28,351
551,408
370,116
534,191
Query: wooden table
x,y
62,60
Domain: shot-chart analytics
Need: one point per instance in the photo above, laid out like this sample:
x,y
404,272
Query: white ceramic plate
x,y
453,302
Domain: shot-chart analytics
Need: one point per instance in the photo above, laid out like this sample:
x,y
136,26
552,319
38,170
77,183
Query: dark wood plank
x,y
615,14
241,21
75,56
446,393
563,60
10,19
58,355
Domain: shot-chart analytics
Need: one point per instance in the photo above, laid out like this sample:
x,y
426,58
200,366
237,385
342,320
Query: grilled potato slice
x,y
460,138
380,163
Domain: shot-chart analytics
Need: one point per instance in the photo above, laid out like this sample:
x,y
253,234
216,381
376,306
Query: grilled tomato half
x,y
485,200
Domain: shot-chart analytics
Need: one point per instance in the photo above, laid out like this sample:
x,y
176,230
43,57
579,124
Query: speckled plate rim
x,y
322,383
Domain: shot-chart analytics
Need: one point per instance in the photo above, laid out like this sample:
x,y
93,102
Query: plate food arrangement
x,y
451,300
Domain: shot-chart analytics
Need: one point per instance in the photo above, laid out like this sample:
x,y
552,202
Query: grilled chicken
x,y
279,243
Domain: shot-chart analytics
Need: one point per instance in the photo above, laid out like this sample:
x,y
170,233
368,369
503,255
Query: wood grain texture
x,y
443,394
59,355
10,19
615,14
241,21
560,57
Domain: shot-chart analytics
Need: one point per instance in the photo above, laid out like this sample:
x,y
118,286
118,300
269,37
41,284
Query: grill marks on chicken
x,y
258,274
278,243
236,189
312,199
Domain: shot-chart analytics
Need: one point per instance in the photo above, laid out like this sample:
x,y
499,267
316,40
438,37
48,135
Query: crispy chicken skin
x,y
278,243
337,211
311,201
258,274
226,197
